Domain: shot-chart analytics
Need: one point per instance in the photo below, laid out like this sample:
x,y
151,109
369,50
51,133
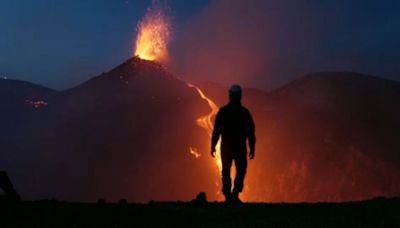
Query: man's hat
x,y
235,89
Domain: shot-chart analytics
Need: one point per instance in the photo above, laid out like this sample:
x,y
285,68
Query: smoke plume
x,y
242,42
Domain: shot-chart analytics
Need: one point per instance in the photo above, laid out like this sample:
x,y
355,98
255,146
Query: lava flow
x,y
206,121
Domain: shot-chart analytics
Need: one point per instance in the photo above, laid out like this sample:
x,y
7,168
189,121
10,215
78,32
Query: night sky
x,y
60,44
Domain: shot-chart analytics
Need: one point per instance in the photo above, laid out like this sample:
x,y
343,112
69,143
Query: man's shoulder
x,y
244,109
223,109
227,108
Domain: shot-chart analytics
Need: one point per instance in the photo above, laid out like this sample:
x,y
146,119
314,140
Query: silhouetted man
x,y
235,124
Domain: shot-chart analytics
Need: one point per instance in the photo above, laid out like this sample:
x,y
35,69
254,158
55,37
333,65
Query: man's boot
x,y
235,197
228,197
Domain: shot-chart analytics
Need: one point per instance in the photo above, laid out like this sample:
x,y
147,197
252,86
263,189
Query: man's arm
x,y
216,133
251,136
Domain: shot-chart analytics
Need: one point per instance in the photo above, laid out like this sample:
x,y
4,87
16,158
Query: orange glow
x,y
194,152
153,35
206,123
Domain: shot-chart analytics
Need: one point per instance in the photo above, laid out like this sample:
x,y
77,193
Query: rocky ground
x,y
379,212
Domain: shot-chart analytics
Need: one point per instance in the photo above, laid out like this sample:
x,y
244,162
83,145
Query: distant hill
x,y
126,134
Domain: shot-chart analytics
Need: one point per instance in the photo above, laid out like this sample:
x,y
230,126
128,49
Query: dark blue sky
x,y
62,43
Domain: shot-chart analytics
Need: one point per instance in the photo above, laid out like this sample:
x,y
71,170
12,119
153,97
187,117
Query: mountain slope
x,y
125,133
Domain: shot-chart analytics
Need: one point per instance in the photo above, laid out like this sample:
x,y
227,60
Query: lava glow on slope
x,y
153,35
206,122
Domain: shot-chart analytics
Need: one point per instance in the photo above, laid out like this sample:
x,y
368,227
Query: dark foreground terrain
x,y
378,212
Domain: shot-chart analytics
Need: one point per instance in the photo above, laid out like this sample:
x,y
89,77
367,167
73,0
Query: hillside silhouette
x,y
121,134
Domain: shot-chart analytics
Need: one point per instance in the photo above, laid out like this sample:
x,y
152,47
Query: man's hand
x,y
251,154
213,152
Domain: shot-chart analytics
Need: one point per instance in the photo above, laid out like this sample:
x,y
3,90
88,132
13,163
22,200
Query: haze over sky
x,y
60,44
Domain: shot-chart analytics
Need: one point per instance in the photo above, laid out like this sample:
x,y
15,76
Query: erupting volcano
x,y
154,32
297,179
139,132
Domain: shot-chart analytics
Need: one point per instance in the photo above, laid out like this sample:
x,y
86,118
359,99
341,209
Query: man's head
x,y
235,93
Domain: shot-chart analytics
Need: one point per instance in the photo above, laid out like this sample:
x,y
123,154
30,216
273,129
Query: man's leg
x,y
241,166
226,175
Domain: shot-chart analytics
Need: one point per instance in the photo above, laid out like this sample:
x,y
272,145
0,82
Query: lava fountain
x,y
154,33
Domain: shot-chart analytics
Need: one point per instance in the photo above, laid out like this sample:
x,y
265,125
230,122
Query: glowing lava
x,y
153,35
206,122
194,152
